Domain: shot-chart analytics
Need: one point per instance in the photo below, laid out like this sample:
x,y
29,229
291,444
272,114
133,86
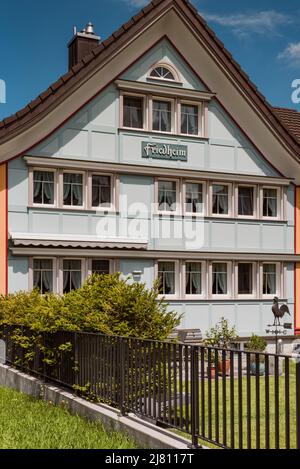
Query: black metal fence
x,y
231,399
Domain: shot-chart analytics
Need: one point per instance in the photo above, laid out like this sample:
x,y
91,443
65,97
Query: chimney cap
x,y
89,29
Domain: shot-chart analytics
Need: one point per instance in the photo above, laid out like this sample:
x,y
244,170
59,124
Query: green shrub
x,y
221,335
256,344
105,303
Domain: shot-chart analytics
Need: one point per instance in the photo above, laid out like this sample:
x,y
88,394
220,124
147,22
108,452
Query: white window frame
x,y
204,197
113,191
228,295
252,295
31,187
61,270
230,199
145,107
280,201
178,196
200,117
255,202
90,261
84,190
279,280
178,277
173,114
203,280
31,271
164,80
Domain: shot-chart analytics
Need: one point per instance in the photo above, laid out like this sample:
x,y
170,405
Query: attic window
x,y
162,73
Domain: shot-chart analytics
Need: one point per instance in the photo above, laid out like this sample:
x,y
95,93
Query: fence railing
x,y
231,399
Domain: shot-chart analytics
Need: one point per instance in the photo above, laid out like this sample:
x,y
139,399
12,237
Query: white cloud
x,y
291,54
136,3
243,24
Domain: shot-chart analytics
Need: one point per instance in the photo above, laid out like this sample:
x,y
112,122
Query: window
x,y
166,276
162,116
193,197
193,278
245,279
100,266
220,199
167,196
43,187
133,114
72,275
189,119
163,73
219,278
270,203
246,201
43,275
101,191
73,189
269,279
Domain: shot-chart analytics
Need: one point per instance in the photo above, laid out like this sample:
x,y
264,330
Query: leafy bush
x,y
221,335
105,303
256,344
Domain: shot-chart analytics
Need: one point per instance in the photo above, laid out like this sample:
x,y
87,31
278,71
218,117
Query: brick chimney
x,y
82,44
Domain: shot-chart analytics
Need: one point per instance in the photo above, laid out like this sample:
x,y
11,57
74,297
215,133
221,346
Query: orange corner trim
x,y
297,266
3,229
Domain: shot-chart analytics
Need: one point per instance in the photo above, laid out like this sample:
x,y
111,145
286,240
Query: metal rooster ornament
x,y
279,312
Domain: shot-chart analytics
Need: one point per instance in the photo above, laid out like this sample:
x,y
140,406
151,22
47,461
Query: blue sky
x,y
262,35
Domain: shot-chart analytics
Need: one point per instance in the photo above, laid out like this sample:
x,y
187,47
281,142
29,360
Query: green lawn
x,y
27,423
254,429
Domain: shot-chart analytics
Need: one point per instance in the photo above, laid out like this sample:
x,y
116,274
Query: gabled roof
x,y
285,126
290,119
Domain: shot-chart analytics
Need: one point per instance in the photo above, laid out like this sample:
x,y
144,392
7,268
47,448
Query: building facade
x,y
153,158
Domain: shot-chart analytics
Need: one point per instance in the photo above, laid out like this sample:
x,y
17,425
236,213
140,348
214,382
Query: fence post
x,y
121,347
298,402
194,397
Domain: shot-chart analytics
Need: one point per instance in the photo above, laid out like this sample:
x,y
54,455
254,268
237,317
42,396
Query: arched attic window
x,y
163,72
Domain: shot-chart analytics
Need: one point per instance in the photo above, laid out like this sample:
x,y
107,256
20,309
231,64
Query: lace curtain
x,y
71,275
189,120
220,199
270,279
101,191
162,116
167,196
72,189
220,279
43,275
193,279
133,114
43,187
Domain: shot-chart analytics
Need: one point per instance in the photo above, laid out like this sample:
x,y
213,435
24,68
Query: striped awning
x,y
74,241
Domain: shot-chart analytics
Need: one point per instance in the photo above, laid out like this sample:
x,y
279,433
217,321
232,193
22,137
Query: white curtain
x,y
189,120
220,279
71,275
220,200
272,207
43,275
193,279
167,196
72,189
162,116
43,187
270,278
133,112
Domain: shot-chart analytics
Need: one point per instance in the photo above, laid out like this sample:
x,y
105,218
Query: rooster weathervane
x,y
279,312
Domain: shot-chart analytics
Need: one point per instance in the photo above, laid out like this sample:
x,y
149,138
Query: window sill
x,y
162,134
73,209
